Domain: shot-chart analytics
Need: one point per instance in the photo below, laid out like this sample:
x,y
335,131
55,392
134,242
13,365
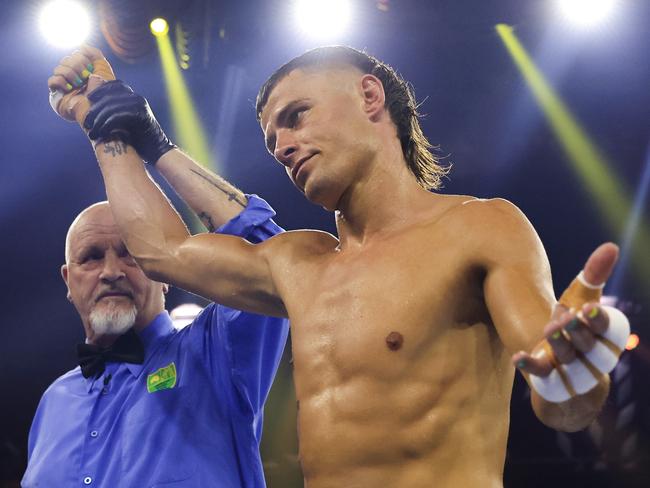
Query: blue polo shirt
x,y
189,416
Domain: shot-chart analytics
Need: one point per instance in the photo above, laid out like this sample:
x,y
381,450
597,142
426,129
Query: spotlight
x,y
322,18
65,23
159,26
586,12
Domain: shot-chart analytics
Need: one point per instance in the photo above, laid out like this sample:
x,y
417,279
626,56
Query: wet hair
x,y
400,103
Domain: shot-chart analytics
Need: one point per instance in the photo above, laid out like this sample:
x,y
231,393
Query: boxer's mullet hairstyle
x,y
400,103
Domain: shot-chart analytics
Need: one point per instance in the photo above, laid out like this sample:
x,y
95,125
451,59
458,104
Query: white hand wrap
x,y
550,387
55,98
576,377
619,327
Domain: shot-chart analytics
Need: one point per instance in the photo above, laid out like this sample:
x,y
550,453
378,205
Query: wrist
x,y
151,155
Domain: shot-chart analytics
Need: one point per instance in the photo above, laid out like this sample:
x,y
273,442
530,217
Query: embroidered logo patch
x,y
162,379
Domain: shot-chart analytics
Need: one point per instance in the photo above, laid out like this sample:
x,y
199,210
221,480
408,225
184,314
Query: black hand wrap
x,y
116,112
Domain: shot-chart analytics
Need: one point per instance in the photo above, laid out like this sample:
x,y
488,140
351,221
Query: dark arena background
x,y
530,100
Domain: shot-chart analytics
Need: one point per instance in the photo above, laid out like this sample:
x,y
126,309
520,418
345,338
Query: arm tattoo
x,y
207,220
223,187
115,148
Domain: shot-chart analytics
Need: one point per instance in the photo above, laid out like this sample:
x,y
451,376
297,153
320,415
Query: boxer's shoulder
x,y
489,207
303,242
488,231
491,217
468,213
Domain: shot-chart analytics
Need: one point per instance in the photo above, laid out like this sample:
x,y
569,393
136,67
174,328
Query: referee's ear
x,y
64,275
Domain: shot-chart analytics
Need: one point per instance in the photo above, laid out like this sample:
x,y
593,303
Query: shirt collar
x,y
159,328
151,336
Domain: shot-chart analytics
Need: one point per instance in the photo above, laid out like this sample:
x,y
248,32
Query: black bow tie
x,y
126,349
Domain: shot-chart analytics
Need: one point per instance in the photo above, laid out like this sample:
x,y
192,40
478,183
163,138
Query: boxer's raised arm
x,y
222,268
117,109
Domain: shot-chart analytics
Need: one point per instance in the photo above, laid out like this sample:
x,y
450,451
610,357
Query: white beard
x,y
112,319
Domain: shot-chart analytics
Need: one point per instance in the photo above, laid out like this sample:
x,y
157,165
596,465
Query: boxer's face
x,y
104,282
315,125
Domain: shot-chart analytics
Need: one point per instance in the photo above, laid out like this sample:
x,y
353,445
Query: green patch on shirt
x,y
162,379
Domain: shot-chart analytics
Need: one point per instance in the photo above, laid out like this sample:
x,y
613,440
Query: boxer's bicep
x,y
519,307
517,287
225,269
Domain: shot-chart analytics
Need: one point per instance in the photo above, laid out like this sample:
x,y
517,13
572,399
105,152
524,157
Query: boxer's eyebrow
x,y
281,120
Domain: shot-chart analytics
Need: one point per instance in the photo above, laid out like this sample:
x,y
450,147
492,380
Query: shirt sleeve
x,y
254,343
254,223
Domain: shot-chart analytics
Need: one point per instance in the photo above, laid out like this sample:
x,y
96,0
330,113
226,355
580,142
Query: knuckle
x,y
92,51
79,61
564,352
566,358
63,71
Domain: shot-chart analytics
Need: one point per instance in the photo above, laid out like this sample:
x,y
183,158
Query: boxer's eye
x,y
295,116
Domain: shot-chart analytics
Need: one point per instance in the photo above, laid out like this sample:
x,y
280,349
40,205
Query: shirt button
x,y
87,480
94,433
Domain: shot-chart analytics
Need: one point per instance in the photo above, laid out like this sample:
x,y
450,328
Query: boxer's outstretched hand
x,y
579,342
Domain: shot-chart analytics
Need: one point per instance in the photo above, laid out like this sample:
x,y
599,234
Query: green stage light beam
x,y
185,120
608,190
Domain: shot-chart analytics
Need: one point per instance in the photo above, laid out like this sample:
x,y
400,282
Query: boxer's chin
x,y
112,318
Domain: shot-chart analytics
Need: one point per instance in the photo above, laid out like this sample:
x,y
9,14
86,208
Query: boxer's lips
x,y
295,171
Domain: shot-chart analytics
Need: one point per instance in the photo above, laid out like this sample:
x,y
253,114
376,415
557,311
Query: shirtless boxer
x,y
405,328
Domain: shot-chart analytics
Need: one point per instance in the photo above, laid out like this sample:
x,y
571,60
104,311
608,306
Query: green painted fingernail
x,y
68,86
78,81
90,67
593,313
521,363
556,335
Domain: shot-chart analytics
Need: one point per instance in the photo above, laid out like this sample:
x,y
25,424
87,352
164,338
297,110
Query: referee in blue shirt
x,y
149,404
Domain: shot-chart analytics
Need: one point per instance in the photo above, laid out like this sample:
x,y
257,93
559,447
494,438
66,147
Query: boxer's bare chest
x,y
377,312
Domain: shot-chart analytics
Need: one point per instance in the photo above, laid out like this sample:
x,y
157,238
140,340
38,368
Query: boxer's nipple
x,y
394,341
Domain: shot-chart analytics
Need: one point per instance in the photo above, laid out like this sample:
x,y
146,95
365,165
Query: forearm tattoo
x,y
222,186
207,221
114,148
